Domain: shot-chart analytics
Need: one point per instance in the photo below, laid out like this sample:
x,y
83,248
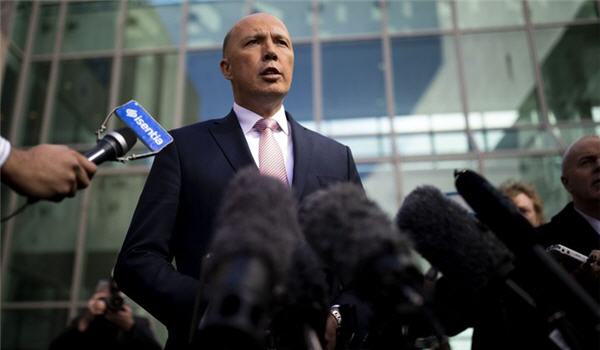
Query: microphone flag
x,y
148,130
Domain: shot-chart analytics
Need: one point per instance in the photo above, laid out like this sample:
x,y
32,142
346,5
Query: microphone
x,y
452,240
113,145
244,274
555,288
358,244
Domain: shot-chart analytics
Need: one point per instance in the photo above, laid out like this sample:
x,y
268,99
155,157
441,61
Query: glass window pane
x,y
295,14
353,83
570,60
113,199
150,80
12,70
339,18
379,184
562,10
31,329
90,19
209,21
432,143
478,13
500,80
208,93
542,172
35,99
152,24
42,252
21,15
46,28
299,101
414,15
368,146
436,173
426,85
572,134
81,100
494,140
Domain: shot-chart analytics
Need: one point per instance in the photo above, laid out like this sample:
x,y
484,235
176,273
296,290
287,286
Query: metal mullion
x,y
575,23
390,98
6,42
117,64
79,252
53,78
539,81
181,67
458,50
317,68
14,129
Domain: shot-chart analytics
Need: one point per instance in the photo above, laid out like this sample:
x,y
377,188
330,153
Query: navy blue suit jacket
x,y
175,213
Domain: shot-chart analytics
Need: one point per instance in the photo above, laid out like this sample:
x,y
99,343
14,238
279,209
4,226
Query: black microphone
x,y
452,240
555,286
113,145
358,244
244,275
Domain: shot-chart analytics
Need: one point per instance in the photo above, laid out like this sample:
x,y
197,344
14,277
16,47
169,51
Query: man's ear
x,y
225,68
565,182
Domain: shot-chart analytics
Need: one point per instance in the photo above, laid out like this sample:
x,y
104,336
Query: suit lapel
x,y
228,135
303,149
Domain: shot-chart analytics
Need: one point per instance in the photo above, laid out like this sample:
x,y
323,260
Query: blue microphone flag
x,y
154,136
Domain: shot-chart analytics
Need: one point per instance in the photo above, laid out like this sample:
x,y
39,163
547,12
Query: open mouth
x,y
270,71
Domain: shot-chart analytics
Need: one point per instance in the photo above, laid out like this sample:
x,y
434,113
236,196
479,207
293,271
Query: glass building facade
x,y
417,88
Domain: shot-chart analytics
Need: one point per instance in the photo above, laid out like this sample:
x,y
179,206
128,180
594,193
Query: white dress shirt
x,y
4,150
283,136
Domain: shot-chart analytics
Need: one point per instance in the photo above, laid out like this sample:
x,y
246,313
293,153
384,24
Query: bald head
x,y
581,174
241,22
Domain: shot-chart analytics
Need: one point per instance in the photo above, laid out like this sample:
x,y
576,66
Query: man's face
x,y
259,59
581,171
525,206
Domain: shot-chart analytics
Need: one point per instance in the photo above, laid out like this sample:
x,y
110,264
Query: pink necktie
x,y
270,158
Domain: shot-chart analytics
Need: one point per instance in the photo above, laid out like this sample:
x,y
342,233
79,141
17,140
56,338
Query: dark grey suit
x,y
175,213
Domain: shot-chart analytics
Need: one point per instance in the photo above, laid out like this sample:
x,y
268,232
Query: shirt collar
x,y
595,223
247,118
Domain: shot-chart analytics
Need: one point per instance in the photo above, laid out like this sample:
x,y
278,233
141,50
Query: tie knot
x,y
266,123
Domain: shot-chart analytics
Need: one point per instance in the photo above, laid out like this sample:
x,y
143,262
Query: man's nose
x,y
269,52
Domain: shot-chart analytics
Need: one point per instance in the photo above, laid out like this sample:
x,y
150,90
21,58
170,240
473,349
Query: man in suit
x,y
175,213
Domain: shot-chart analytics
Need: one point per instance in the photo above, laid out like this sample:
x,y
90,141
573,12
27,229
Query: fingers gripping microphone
x,y
256,234
113,145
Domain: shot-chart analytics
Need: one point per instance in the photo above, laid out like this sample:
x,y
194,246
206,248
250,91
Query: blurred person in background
x,y
107,323
526,199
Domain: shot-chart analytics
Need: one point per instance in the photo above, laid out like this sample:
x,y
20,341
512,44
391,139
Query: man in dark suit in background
x,y
174,216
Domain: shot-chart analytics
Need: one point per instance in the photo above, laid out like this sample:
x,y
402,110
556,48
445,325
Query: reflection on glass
x,y
150,80
368,146
31,329
353,80
35,98
494,140
46,28
113,200
339,18
436,173
426,84
542,172
90,26
432,143
208,21
41,260
562,10
414,15
208,94
356,126
477,13
296,14
378,181
570,63
9,90
81,100
22,12
572,134
152,24
499,78
299,101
